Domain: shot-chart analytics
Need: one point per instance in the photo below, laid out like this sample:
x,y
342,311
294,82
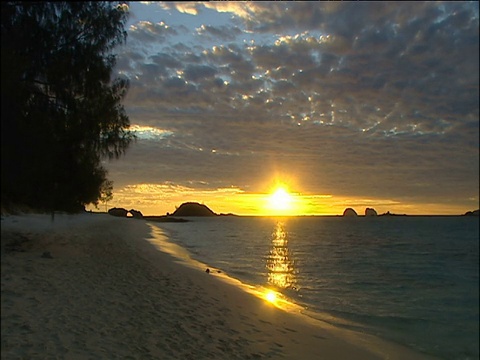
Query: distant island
x,y
121,212
349,212
187,209
193,209
388,213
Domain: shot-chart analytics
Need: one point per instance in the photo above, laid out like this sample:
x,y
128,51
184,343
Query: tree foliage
x,y
61,110
106,193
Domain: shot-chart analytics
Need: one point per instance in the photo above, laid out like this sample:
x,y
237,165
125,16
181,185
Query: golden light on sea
x,y
280,266
271,296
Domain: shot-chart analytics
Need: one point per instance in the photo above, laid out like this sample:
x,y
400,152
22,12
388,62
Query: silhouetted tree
x,y
106,193
61,111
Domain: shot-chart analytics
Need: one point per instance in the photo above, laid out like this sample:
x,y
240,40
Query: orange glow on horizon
x,y
159,199
280,200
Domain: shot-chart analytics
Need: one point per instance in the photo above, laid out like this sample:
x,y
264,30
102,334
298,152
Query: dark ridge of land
x,y
193,209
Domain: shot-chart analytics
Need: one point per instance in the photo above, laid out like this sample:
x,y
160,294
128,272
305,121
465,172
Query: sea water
x,y
411,280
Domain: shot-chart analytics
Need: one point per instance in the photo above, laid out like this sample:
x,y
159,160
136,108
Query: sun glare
x,y
271,296
280,200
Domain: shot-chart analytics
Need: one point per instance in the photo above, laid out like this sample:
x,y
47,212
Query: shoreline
x,y
110,290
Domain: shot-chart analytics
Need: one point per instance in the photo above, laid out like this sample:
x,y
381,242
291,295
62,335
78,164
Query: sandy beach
x,y
94,286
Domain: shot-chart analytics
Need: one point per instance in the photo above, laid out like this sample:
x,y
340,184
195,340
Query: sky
x,y
342,104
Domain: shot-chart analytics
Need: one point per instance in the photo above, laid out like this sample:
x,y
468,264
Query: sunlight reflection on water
x,y
281,270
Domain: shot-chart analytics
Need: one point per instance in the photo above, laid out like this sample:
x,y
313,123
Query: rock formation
x,y
349,212
370,212
193,209
472,213
136,214
118,212
121,212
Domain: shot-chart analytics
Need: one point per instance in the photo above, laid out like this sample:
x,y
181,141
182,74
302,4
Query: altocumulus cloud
x,y
376,99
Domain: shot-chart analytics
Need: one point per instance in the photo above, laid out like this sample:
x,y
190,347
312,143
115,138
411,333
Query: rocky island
x,y
193,209
349,212
187,209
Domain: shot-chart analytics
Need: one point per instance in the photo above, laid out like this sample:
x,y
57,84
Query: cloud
x,y
199,72
149,132
416,76
147,31
345,94
223,33
183,7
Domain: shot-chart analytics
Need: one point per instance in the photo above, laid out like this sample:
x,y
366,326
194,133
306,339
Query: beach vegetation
x,y
106,193
62,112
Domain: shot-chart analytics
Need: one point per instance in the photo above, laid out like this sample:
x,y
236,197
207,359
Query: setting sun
x,y
280,200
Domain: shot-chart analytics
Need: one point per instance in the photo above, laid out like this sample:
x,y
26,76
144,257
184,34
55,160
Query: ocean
x,y
413,280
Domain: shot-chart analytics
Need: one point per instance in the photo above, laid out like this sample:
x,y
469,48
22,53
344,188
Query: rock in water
x,y
193,209
349,212
370,212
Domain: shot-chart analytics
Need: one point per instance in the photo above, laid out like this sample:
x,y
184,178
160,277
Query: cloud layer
x,y
361,99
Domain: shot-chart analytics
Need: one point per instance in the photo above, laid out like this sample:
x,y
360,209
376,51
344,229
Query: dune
x,y
96,286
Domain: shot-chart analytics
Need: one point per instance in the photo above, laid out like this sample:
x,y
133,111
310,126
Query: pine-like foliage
x,y
61,111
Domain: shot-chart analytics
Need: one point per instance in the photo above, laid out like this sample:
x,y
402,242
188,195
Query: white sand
x,y
107,293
